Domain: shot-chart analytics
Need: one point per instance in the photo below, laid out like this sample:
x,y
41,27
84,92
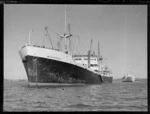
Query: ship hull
x,y
42,71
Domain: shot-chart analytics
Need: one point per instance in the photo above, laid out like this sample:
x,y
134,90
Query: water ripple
x,y
18,96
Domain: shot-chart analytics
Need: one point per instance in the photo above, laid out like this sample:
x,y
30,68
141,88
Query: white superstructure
x,y
128,78
83,59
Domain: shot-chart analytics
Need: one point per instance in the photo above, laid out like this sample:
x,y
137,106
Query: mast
x,y
30,35
66,50
89,54
98,57
58,45
69,40
75,45
67,34
65,19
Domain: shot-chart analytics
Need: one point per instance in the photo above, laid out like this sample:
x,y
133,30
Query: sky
x,y
121,31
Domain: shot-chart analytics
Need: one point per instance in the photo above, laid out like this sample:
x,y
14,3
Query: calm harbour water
x,y
118,96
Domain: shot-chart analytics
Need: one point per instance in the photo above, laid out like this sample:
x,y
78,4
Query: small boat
x,y
128,78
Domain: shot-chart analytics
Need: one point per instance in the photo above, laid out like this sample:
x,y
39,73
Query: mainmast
x,y
65,20
66,46
67,35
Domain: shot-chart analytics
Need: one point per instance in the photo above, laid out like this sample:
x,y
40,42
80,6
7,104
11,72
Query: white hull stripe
x,y
43,53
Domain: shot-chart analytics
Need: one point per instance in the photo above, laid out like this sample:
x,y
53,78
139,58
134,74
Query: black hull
x,y
41,70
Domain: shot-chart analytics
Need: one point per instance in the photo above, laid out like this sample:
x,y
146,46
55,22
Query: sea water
x,y
118,96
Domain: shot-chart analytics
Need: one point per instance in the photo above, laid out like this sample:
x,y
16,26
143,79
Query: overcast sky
x,y
121,31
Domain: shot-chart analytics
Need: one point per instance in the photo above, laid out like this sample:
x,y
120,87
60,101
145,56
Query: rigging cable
x,y
49,37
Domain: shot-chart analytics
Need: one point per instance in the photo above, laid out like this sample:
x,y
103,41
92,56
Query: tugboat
x,y
50,66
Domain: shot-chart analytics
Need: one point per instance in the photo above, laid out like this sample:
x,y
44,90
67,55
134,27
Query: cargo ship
x,y
50,66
